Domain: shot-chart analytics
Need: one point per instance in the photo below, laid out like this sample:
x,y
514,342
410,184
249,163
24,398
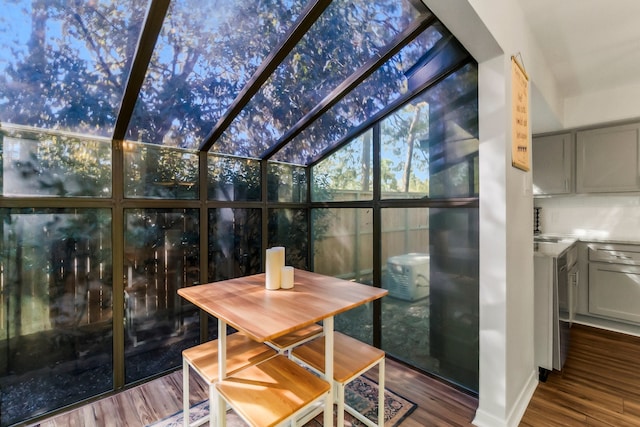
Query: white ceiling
x,y
590,45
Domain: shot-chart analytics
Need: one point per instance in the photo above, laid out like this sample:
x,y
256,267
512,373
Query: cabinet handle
x,y
574,297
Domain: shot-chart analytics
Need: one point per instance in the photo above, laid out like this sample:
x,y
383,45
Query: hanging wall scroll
x,y
520,114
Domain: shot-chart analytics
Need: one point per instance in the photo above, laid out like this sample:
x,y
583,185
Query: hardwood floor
x,y
438,404
599,386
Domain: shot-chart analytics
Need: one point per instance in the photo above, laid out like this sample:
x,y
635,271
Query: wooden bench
x,y
285,343
351,358
242,352
273,392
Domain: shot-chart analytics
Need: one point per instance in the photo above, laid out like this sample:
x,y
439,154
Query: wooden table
x,y
264,315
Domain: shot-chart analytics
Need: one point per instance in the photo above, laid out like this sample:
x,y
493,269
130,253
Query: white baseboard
x,y
486,419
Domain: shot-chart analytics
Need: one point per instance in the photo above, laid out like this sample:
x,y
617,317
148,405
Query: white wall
x,y
602,107
492,31
611,217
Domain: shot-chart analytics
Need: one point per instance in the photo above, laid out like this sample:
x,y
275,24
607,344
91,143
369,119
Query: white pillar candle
x,y
286,279
279,251
273,265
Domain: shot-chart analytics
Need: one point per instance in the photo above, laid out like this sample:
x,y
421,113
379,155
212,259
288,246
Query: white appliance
x,y
408,276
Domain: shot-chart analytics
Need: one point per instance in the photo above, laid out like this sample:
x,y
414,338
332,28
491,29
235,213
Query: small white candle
x,y
286,279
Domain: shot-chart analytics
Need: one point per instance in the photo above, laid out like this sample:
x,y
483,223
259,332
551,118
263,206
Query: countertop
x,y
590,238
553,245
552,249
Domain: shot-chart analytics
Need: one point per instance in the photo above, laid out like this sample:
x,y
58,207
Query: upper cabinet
x,y
607,159
552,164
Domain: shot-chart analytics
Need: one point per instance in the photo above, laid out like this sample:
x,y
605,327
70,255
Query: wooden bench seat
x,y
351,358
242,352
286,342
272,392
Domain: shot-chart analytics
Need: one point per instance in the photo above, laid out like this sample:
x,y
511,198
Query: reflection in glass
x,y
55,309
452,139
342,242
53,164
405,164
206,52
64,65
346,174
384,86
288,228
430,317
157,172
286,183
360,30
235,241
233,178
160,256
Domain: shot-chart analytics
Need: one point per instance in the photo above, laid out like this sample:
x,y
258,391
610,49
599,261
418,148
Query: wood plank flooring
x,y
438,404
600,386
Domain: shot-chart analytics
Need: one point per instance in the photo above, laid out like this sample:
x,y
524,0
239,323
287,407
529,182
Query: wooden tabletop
x,y
263,314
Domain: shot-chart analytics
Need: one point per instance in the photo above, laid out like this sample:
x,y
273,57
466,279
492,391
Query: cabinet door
x,y
614,291
608,159
545,312
552,163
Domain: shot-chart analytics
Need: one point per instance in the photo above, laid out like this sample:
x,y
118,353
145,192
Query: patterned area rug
x,y
361,394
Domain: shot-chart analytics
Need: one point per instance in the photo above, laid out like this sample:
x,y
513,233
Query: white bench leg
x,y
381,402
212,406
340,405
185,393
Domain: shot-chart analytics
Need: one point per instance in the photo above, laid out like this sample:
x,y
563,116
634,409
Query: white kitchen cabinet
x,y
552,160
545,311
608,159
614,281
614,291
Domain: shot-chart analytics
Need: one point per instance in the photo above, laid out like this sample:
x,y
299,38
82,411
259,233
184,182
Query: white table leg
x,y
222,371
327,324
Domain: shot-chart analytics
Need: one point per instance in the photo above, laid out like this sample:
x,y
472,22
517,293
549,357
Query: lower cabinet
x,y
614,291
614,281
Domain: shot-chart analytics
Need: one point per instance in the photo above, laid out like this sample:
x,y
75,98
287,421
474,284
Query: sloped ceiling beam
x,y
146,44
400,41
308,17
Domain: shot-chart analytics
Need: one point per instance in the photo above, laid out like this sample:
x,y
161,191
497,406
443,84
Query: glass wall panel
x,y
235,241
286,183
288,228
452,138
152,171
161,255
37,163
384,86
405,164
233,178
430,317
430,146
55,309
64,65
360,30
342,241
347,174
206,52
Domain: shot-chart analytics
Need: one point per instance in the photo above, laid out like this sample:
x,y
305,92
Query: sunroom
x,y
149,146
